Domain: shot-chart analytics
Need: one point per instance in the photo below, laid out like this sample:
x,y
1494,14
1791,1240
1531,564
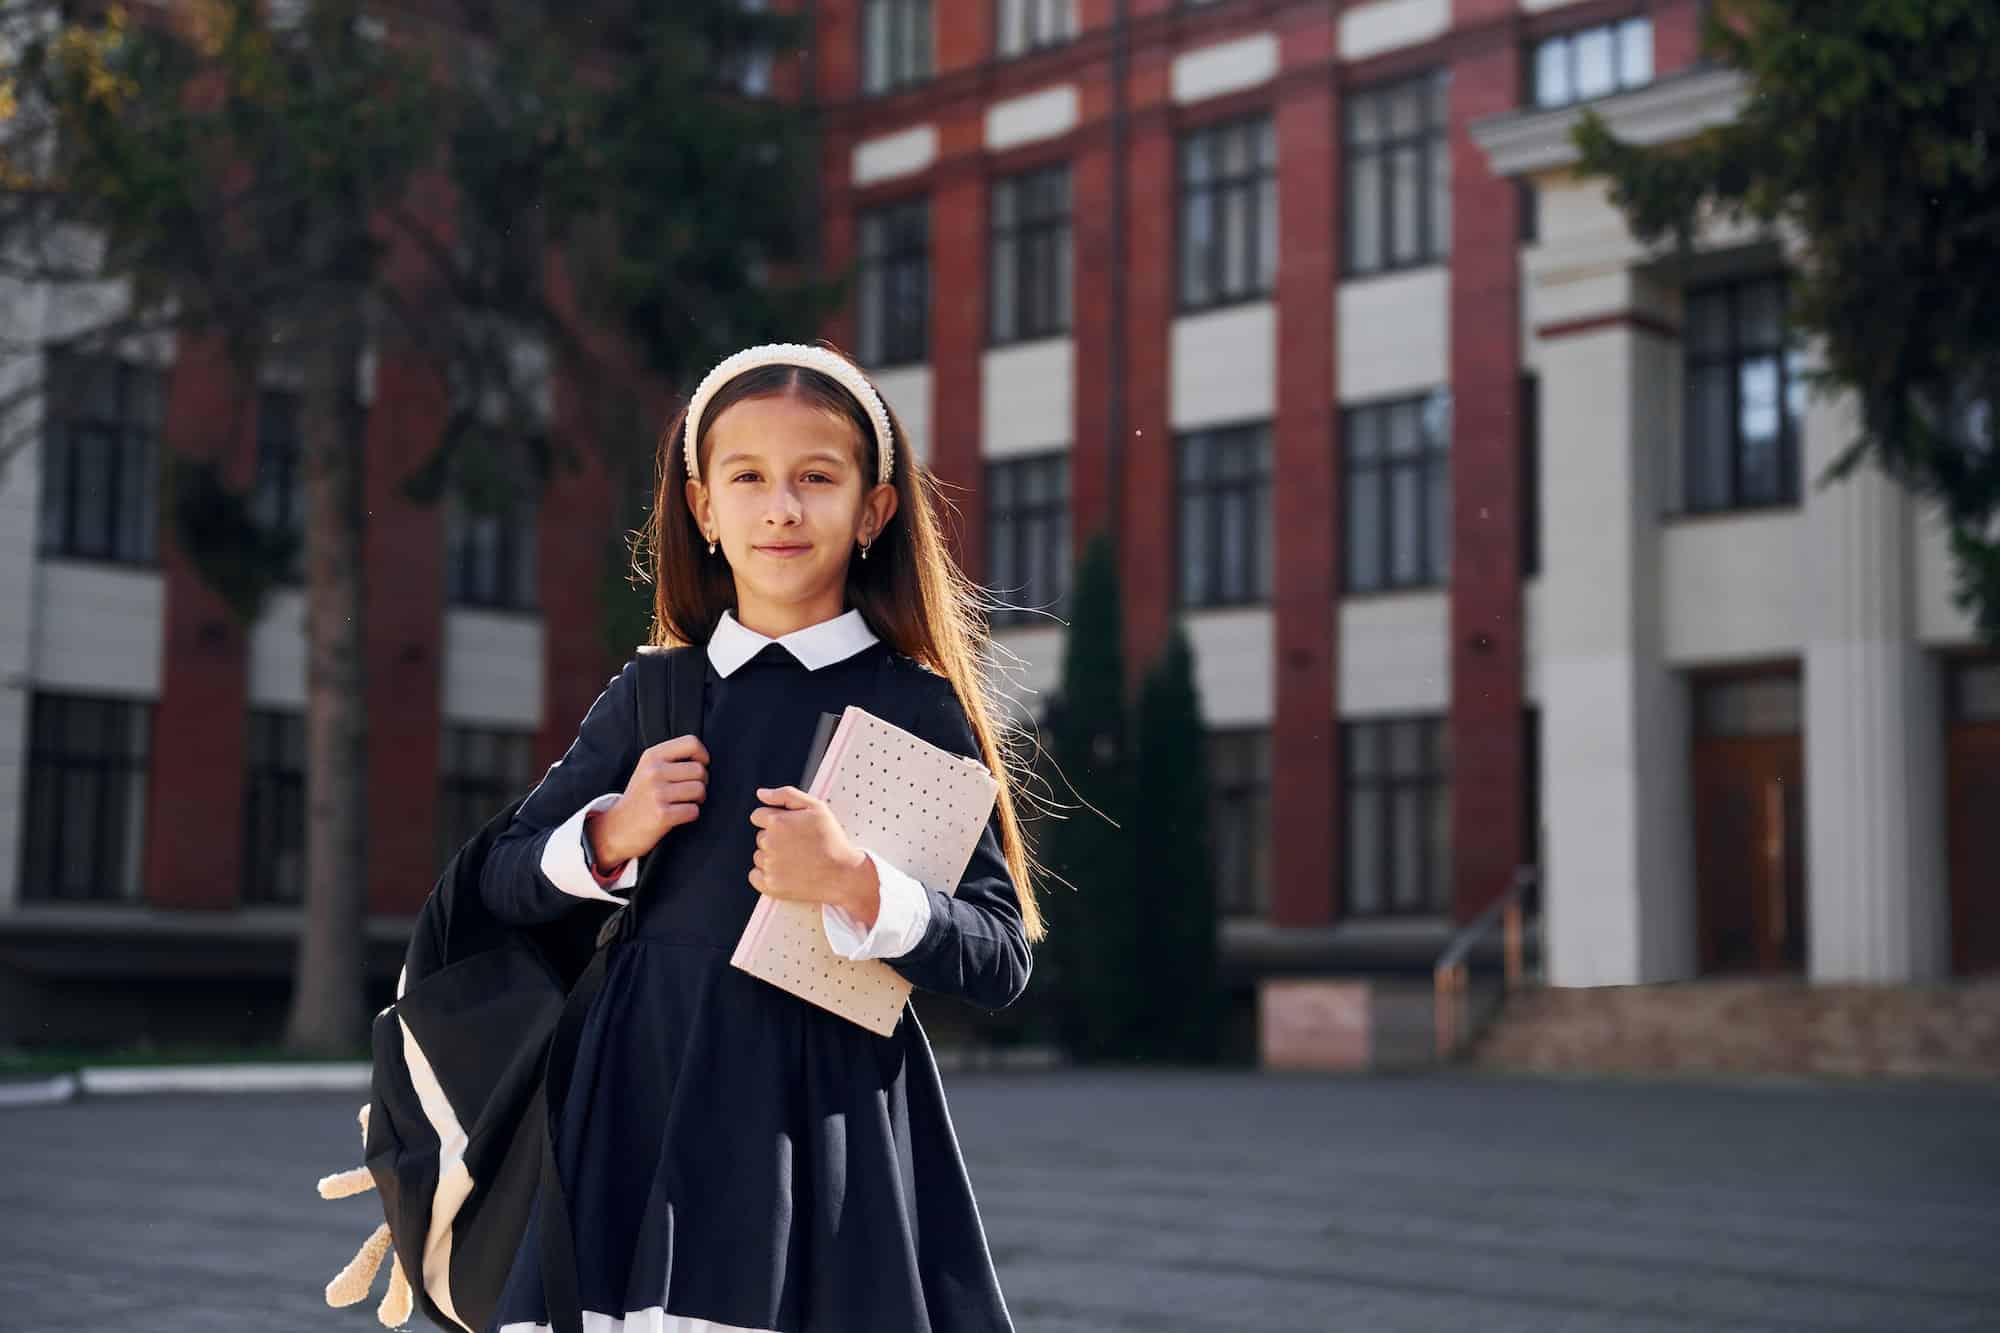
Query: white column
x,y
20,490
1876,904
1618,907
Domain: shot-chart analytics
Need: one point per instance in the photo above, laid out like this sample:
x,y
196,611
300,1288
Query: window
x,y
1744,399
85,830
1398,837
1591,62
1531,475
1398,487
752,75
895,44
1975,692
893,301
1031,255
274,855
492,516
1398,176
101,459
1229,212
1027,534
480,771
1030,25
279,500
1239,803
1224,549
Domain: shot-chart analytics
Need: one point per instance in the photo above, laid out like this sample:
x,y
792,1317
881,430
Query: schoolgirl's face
x,y
784,496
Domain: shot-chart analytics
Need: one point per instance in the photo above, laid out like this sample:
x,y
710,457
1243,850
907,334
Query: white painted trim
x,y
1664,111
1032,117
1395,654
1395,335
1224,367
1225,67
1370,29
888,156
1027,394
907,390
493,668
1233,651
99,628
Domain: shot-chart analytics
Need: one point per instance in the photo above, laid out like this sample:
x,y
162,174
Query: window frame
x,y
1433,782
897,250
1431,139
892,78
1568,39
1011,513
1431,459
1531,473
466,800
272,778
1243,895
513,550
1259,184
131,500
1789,397
51,849
1211,491
278,496
1065,32
1049,234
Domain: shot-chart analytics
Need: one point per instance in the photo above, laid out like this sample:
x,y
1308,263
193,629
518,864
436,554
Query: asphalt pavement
x,y
1166,1202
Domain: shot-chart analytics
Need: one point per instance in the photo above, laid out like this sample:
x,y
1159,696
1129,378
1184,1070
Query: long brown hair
x,y
910,590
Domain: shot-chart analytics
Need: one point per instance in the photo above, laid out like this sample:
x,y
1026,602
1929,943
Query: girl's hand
x,y
666,790
802,852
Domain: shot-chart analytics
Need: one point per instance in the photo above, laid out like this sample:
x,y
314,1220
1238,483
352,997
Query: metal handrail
x,y
1452,1006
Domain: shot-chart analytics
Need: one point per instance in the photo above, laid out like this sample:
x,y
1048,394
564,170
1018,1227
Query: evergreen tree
x,y
1093,940
1872,133
1184,1002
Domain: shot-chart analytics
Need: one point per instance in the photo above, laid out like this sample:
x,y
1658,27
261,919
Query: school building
x,y
1496,534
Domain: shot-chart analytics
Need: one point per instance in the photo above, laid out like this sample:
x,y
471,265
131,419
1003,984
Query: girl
x,y
736,1159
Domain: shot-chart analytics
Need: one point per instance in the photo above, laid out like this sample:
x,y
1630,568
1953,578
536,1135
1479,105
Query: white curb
x,y
346,1076
42,1092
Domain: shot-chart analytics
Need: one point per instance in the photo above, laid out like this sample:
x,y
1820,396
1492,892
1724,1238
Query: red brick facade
x,y
1485,51
194,852
1305,843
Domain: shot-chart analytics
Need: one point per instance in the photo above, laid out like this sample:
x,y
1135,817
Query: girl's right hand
x,y
666,790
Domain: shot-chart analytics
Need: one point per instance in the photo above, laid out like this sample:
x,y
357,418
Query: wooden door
x,y
1750,853
1972,803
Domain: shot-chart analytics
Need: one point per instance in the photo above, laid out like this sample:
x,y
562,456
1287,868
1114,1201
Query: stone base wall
x,y
1752,1027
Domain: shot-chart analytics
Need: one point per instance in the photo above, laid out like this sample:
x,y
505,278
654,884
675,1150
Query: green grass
x,y
26,1062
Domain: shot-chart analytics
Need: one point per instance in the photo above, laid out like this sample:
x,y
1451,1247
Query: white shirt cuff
x,y
904,917
563,864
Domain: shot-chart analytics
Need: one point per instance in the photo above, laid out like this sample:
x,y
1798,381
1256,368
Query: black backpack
x,y
470,1067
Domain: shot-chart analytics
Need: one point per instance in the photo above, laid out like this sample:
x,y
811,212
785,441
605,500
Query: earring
x,y
864,550
711,548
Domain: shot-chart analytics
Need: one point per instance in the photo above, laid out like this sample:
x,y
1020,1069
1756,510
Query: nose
x,y
782,509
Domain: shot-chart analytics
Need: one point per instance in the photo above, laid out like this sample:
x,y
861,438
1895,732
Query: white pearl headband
x,y
831,364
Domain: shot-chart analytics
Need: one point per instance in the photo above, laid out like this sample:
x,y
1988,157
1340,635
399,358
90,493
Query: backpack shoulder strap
x,y
669,682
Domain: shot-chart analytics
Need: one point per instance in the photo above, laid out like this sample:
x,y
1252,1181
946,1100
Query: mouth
x,y
785,549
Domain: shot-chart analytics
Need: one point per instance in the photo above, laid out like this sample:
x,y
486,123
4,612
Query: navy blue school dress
x,y
736,1159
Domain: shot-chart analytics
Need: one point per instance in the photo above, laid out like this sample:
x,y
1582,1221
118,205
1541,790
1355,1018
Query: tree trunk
x,y
327,1012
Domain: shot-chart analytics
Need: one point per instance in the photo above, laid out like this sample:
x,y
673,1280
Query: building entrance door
x,y
1749,815
1972,800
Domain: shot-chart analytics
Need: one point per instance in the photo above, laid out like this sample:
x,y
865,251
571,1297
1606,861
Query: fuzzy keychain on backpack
x,y
353,1282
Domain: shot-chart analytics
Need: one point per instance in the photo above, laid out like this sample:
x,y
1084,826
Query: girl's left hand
x,y
802,852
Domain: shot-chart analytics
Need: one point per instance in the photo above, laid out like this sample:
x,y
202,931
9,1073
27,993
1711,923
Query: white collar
x,y
830,641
